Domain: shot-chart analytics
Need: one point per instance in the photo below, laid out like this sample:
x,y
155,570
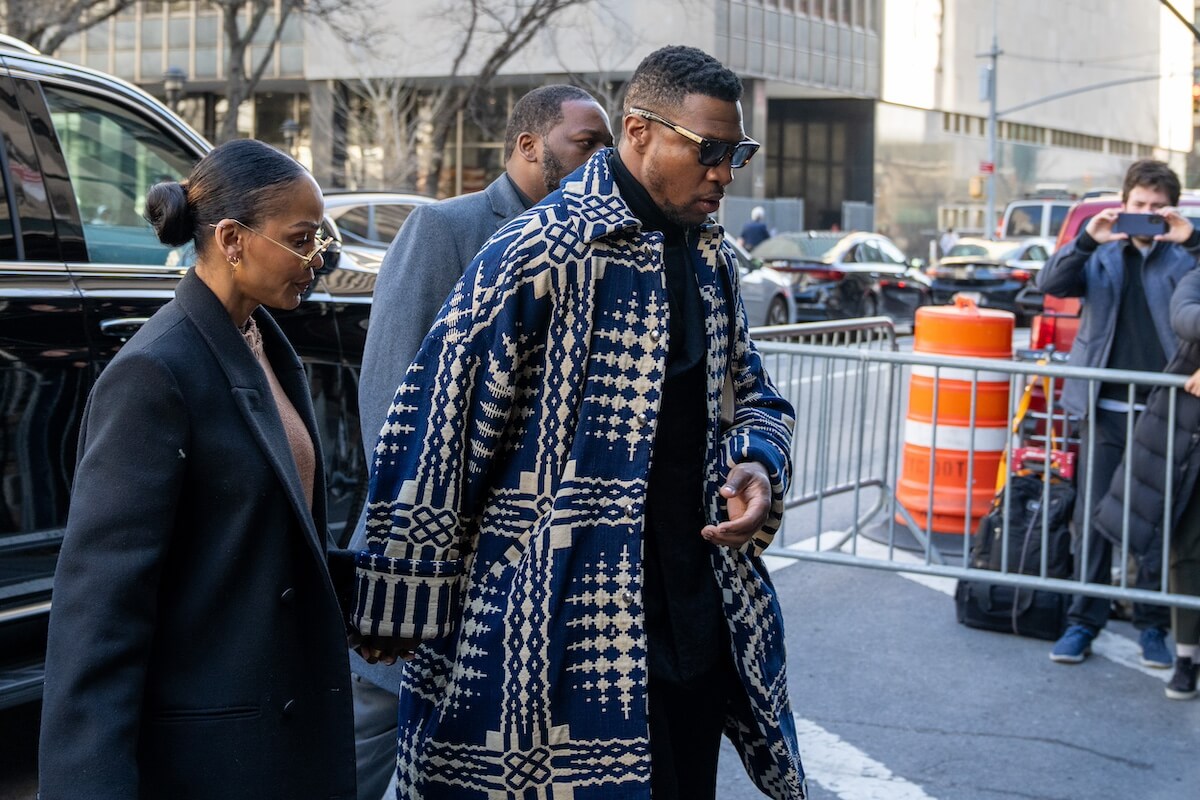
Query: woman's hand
x,y
386,649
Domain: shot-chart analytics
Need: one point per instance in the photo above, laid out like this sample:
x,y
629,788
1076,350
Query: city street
x,y
896,701
866,160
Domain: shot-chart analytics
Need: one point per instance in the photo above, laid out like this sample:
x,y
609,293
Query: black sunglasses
x,y
712,151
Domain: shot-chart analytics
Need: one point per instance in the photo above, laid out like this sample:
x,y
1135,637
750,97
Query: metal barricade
x,y
846,382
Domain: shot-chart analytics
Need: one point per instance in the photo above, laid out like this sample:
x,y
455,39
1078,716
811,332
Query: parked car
x,y
80,272
766,293
837,275
995,272
1055,327
367,222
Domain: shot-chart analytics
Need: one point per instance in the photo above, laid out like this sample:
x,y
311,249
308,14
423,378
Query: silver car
x,y
766,294
367,222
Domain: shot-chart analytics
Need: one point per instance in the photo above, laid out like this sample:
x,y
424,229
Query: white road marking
x,y
848,772
851,774
1118,649
1127,653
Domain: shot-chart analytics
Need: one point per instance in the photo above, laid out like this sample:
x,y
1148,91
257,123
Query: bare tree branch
x,y
510,25
602,47
47,24
241,22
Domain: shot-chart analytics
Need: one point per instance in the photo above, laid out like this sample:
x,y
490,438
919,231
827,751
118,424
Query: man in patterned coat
x,y
575,483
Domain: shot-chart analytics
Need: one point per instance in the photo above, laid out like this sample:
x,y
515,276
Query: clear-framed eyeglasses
x,y
320,245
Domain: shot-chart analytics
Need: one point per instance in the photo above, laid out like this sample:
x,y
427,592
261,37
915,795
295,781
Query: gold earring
x,y
234,262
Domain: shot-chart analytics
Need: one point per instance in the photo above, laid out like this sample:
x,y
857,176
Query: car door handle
x,y
122,327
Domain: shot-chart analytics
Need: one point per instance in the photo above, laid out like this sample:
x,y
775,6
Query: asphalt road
x,y
896,701
899,702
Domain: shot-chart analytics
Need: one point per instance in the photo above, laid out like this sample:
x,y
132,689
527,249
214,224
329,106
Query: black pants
x,y
1106,451
1184,576
686,723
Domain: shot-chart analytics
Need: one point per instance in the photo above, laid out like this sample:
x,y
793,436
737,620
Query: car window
x,y
889,253
25,187
1025,221
1036,253
868,253
373,224
783,247
354,223
966,250
388,219
113,157
1058,215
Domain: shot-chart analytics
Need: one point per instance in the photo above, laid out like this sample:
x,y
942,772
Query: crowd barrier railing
x,y
848,382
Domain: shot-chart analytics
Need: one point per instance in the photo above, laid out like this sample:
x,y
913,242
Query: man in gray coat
x,y
1126,283
552,131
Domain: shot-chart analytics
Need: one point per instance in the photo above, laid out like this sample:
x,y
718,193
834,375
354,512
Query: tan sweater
x,y
303,452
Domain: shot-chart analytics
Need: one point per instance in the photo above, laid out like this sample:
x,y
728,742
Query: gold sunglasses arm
x,y
684,132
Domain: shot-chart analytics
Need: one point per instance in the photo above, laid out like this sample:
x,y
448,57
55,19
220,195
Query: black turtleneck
x,y
685,624
1135,339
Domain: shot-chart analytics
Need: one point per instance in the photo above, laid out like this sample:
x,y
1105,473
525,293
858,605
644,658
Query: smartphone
x,y
1144,225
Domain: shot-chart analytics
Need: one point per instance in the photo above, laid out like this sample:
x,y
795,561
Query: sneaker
x,y
1154,649
1073,646
1183,682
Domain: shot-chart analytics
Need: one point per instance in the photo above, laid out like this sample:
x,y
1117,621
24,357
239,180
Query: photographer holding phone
x,y
1125,274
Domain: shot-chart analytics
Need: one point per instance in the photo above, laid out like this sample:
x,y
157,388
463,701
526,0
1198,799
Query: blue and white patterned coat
x,y
507,503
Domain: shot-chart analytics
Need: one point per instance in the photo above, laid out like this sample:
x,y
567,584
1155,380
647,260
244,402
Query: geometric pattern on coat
x,y
506,512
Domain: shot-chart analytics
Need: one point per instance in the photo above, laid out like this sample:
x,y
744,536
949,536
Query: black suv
x,y
80,271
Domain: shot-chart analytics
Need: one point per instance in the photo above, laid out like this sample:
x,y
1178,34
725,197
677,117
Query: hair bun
x,y
167,210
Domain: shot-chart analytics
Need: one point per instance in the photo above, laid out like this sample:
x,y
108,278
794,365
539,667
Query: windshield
x,y
795,247
999,251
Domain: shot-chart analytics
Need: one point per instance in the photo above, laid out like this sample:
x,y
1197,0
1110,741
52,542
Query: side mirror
x,y
918,264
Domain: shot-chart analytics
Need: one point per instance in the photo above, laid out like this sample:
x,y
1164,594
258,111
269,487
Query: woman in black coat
x,y
1148,470
197,648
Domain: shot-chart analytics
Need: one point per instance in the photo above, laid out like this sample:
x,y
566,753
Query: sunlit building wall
x,y
869,102
1083,87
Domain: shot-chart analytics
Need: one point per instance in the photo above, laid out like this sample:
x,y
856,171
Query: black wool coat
x,y
197,648
1147,458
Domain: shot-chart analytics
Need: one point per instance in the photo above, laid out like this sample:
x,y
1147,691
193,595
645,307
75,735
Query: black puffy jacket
x,y
1149,454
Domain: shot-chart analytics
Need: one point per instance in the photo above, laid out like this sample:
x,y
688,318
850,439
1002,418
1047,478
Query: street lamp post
x,y
290,130
990,87
174,79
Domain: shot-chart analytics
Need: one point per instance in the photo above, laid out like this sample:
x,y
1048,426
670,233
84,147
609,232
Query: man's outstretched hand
x,y
747,493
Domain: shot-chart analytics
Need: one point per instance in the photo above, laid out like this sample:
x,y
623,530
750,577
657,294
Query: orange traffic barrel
x,y
955,447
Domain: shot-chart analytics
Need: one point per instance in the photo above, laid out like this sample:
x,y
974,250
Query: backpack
x,y
1009,609
1025,529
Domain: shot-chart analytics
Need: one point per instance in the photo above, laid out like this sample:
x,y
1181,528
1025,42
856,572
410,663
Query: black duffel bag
x,y
1011,609
1028,612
